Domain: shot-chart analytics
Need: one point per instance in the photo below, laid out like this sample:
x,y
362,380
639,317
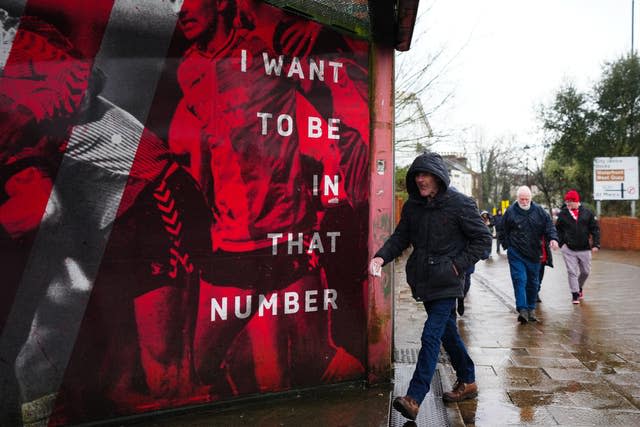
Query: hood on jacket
x,y
427,162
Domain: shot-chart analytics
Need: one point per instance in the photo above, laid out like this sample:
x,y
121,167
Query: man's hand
x,y
375,266
554,245
299,38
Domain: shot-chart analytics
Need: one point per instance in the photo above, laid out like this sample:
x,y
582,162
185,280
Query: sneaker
x,y
575,297
523,316
581,294
531,316
461,391
407,406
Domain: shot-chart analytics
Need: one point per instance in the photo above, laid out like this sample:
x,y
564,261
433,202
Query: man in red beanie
x,y
579,235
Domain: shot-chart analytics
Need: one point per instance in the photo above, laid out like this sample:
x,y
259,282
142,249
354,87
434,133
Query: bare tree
x,y
548,175
420,90
500,165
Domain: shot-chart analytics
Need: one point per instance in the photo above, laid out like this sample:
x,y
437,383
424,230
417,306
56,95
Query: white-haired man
x,y
524,224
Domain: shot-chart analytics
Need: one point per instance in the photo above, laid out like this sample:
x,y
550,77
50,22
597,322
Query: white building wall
x,y
463,182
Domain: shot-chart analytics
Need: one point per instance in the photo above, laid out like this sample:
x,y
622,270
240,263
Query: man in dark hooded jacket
x,y
448,236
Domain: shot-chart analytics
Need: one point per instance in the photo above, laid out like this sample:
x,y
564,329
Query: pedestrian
x,y
469,271
497,225
447,236
487,219
524,225
467,285
579,234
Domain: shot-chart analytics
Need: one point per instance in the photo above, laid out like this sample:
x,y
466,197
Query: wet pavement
x,y
579,366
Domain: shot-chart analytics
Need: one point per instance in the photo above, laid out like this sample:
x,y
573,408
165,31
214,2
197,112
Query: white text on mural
x,y
296,242
269,304
284,126
310,68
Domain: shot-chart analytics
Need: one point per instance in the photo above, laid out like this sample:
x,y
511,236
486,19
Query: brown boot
x,y
461,391
407,406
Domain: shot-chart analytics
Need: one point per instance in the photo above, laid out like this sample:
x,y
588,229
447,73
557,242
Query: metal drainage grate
x,y
432,411
406,355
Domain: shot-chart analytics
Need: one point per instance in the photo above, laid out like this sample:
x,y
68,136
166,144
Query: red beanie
x,y
572,196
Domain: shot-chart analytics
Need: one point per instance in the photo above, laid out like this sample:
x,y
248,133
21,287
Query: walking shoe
x,y
581,294
407,406
531,316
523,316
575,297
461,391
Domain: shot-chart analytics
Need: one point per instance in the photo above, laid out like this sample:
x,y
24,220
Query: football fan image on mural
x,y
179,181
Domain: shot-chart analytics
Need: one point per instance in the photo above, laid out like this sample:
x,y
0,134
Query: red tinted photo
x,y
183,206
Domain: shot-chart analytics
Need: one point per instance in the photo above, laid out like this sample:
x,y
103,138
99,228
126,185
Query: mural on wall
x,y
183,205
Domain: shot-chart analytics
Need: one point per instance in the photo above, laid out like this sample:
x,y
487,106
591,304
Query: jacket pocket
x,y
441,273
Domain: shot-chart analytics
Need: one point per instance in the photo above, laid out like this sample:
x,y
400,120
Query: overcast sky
x,y
514,55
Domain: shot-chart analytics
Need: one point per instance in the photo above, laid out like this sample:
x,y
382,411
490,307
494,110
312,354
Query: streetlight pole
x,y
633,3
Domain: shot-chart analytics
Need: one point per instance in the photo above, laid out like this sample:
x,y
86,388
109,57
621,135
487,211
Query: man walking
x,y
579,234
524,224
448,236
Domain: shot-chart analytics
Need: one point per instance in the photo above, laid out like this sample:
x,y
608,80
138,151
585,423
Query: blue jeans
x,y
440,327
524,275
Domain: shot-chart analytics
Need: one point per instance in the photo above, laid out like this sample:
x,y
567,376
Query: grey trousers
x,y
578,267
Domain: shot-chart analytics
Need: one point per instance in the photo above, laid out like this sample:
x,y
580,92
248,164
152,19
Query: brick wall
x,y
620,233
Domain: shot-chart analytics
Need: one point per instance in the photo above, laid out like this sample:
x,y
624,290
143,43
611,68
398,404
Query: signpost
x,y
615,178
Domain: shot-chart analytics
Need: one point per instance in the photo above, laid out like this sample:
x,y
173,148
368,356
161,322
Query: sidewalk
x,y
579,366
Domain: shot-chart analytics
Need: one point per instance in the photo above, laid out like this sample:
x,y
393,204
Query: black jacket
x,y
444,232
497,223
576,233
524,229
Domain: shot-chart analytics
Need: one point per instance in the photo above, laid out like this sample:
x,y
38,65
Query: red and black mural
x,y
183,205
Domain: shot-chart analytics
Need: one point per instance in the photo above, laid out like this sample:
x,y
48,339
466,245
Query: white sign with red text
x,y
615,178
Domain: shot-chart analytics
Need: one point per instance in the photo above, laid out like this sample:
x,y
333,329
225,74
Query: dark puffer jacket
x,y
445,231
575,234
523,230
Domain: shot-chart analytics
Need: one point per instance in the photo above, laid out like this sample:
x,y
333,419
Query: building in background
x,y
463,178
